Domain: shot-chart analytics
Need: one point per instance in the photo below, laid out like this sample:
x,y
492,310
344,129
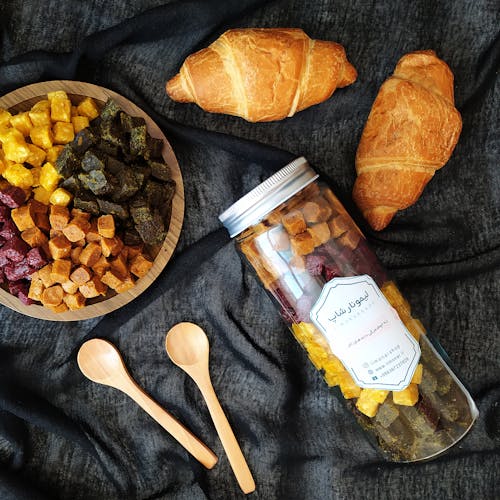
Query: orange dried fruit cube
x,y
406,397
350,239
23,217
52,296
70,287
36,288
59,217
60,308
112,278
111,246
34,237
41,136
93,288
119,265
338,226
59,247
101,266
90,254
93,233
74,301
106,226
76,229
44,275
75,254
60,270
88,108
294,222
81,275
302,244
140,266
320,233
317,210
127,284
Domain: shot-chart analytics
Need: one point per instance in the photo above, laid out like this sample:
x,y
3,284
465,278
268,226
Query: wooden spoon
x,y
187,346
101,362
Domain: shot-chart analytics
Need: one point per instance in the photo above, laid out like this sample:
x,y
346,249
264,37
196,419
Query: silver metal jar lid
x,y
281,186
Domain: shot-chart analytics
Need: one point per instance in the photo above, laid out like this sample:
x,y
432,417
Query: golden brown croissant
x,y
411,132
262,74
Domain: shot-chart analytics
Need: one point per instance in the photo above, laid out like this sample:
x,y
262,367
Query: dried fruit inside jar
x,y
304,243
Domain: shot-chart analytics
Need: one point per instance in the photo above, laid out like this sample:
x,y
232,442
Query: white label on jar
x,y
365,332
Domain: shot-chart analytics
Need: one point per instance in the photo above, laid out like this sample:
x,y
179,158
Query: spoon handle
x,y
190,442
227,437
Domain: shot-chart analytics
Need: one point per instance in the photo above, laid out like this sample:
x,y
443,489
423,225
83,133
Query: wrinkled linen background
x,y
62,436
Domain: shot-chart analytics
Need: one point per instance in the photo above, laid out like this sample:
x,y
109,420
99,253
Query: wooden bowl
x,y
21,100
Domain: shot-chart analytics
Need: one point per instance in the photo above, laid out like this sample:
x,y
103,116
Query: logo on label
x,y
365,332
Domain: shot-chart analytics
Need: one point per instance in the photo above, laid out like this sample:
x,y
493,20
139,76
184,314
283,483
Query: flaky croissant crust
x,y
262,74
411,132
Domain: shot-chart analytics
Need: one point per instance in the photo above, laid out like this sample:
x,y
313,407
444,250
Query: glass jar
x,y
349,316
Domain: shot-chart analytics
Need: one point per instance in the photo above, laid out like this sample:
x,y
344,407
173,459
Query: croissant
x,y
262,74
410,133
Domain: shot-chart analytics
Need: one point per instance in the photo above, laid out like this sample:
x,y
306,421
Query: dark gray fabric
x,y
63,437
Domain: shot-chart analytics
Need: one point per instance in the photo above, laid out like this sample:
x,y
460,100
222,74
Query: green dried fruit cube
x,y
160,170
92,160
110,110
109,207
67,162
138,141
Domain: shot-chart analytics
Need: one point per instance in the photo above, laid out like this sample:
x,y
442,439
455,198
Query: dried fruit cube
x,y
34,237
93,288
19,176
366,405
338,226
112,278
12,196
417,374
36,289
88,108
53,153
70,287
42,195
14,146
59,217
42,104
79,123
36,258
81,275
60,107
60,197
39,117
63,132
52,296
44,275
90,254
5,117
302,244
316,211
294,222
76,229
406,397
350,239
320,233
111,246
23,217
22,122
106,226
140,266
348,387
36,157
74,301
41,136
60,270
59,247
127,284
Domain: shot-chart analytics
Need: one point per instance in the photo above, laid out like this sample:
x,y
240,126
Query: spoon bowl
x,y
187,344
100,361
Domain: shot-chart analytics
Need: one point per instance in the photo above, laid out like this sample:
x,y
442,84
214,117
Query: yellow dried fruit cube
x,y
3,161
417,374
348,387
57,94
40,117
415,327
43,104
88,108
377,395
60,197
35,172
63,132
49,178
366,405
15,147
79,123
406,397
42,136
53,153
18,175
42,195
60,109
332,379
36,157
5,117
22,122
